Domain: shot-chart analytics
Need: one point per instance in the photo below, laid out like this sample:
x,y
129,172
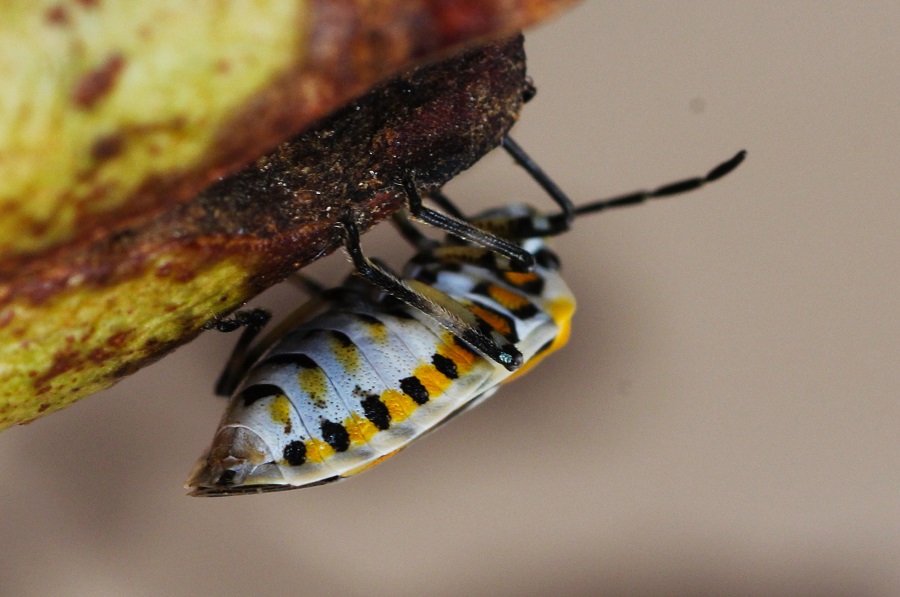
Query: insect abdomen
x,y
360,382
344,391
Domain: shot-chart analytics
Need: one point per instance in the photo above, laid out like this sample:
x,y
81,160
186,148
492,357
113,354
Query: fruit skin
x,y
74,322
114,111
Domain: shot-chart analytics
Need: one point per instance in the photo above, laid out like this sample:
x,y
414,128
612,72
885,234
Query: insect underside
x,y
364,369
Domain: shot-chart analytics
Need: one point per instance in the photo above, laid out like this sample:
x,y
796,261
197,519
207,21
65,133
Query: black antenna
x,y
675,188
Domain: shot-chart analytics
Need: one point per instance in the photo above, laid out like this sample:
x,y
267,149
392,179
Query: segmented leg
x,y
246,352
567,216
520,259
253,321
447,311
446,204
412,234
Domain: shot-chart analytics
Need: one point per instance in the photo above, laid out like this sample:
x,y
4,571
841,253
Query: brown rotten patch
x,y
72,325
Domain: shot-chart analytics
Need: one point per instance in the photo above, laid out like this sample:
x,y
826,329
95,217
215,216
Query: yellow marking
x,y
561,311
280,410
452,253
317,450
520,279
498,323
377,331
359,429
399,405
463,358
433,380
346,354
510,300
313,382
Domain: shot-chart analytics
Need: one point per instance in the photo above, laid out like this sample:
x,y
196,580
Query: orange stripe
x,y
520,279
498,323
510,300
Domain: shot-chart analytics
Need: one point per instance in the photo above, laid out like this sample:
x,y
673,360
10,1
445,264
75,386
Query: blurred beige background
x,y
725,419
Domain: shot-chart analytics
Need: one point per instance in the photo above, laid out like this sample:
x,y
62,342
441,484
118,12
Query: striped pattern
x,y
361,381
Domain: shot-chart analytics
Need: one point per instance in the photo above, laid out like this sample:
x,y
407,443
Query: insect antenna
x,y
674,188
554,224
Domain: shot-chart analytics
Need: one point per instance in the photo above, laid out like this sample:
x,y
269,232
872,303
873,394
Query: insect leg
x,y
531,225
412,234
523,159
447,311
444,202
253,321
520,259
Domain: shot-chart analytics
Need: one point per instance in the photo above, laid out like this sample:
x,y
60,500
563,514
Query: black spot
x,y
413,388
295,453
376,411
445,366
256,392
226,478
336,436
548,259
526,311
